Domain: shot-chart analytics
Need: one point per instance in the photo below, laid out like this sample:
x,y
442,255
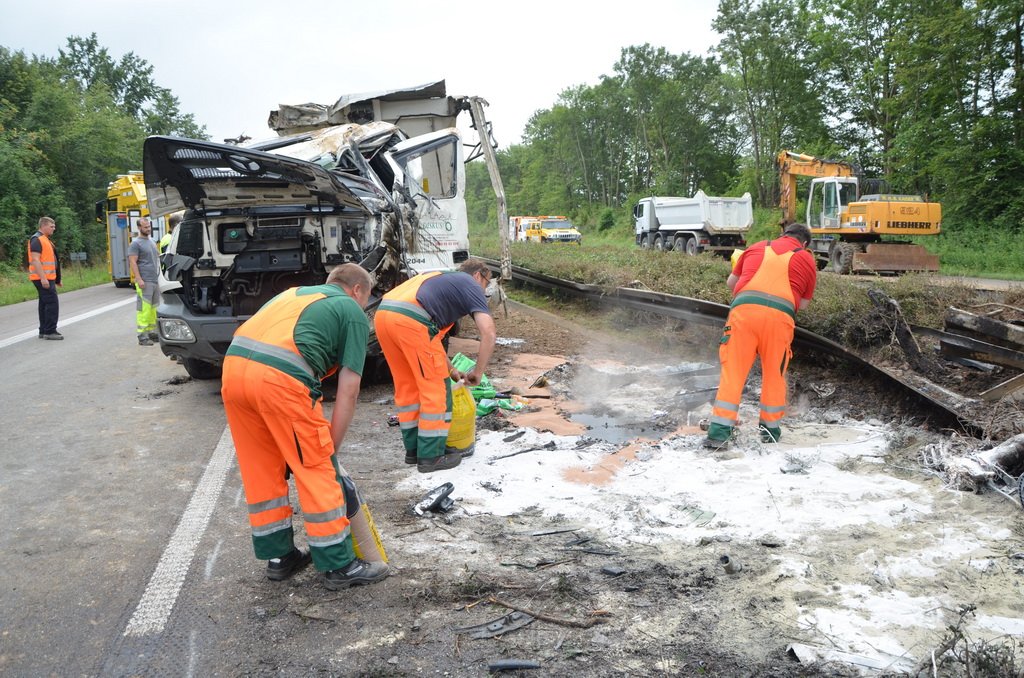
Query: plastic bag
x,y
462,433
482,390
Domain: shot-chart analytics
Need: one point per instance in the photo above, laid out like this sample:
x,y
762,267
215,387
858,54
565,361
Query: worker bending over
x,y
411,322
272,395
770,282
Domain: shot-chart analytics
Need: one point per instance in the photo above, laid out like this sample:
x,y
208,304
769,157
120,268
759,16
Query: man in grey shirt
x,y
143,259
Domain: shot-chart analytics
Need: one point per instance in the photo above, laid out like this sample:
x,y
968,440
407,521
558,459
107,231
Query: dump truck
x,y
694,225
547,228
124,205
856,224
279,213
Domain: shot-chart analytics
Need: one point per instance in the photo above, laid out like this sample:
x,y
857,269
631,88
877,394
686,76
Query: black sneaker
x,y
154,337
410,458
144,340
279,569
442,463
357,573
53,336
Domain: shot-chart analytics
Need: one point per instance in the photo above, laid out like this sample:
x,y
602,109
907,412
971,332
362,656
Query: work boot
x,y
716,445
410,458
53,336
144,340
357,573
466,453
441,463
279,569
154,337
770,434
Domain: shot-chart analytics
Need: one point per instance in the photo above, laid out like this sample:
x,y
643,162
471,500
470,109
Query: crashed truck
x,y
342,184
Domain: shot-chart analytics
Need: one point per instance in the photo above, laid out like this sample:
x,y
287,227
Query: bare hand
x,y
473,377
456,375
141,284
45,283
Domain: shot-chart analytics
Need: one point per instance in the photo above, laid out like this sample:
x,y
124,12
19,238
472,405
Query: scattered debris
x,y
179,379
510,622
508,341
731,565
546,446
393,420
539,382
809,654
437,500
515,436
596,616
511,665
613,570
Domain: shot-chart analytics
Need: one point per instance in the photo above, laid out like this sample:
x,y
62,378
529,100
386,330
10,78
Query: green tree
x,y
762,47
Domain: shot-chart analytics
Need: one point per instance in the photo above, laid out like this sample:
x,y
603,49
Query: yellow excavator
x,y
848,226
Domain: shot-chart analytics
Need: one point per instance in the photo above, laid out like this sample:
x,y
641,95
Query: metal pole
x,y
476,105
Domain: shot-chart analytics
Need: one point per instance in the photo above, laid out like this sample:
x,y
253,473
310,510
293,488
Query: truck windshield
x,y
556,223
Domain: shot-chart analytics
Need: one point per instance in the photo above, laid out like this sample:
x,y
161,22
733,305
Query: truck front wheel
x,y
199,369
645,242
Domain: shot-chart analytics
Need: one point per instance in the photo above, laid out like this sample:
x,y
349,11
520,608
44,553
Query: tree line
x,y
68,126
927,94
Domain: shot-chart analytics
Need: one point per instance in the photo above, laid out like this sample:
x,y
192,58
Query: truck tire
x,y
122,283
645,242
199,369
659,243
841,257
691,246
679,244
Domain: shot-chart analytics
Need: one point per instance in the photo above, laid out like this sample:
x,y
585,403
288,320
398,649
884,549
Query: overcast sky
x,y
230,63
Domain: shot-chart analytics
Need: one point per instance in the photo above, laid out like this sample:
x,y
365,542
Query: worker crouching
x,y
272,396
770,282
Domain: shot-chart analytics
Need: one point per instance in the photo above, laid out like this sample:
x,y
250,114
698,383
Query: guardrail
x,y
944,403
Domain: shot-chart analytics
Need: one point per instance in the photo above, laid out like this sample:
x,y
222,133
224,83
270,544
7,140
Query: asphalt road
x,y
120,500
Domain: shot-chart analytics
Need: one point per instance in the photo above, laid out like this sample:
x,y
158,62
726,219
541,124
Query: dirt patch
x,y
837,537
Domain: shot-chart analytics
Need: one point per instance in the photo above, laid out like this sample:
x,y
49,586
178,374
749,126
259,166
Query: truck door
x,y
432,172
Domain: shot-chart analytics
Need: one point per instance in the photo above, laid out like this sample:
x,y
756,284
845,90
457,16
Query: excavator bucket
x,y
886,257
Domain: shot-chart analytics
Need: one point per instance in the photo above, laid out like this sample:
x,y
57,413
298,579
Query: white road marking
x,y
211,560
70,321
158,600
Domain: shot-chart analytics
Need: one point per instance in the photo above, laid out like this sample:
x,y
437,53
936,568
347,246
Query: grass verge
x,y
15,286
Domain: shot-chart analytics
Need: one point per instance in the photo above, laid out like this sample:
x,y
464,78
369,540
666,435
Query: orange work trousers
x,y
752,331
276,427
423,395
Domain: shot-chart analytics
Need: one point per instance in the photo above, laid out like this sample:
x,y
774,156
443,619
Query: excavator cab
x,y
829,198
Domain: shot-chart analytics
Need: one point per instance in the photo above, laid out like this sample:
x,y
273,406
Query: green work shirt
x,y
332,331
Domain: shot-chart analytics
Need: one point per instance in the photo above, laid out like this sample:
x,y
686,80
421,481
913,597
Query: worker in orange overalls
x,y
272,395
411,322
770,282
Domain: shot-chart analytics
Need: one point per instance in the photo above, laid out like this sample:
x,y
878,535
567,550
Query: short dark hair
x,y
472,266
348,276
798,231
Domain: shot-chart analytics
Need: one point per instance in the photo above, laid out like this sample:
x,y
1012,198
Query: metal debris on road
x,y
510,622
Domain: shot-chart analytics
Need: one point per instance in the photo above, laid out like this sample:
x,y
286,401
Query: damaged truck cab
x,y
263,218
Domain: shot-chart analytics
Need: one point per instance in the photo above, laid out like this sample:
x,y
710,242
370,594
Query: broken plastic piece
x,y
613,570
435,500
393,420
511,665
510,622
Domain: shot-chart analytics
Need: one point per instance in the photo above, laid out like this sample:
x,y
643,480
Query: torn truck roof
x,y
433,110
